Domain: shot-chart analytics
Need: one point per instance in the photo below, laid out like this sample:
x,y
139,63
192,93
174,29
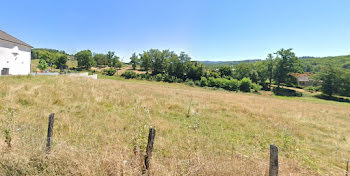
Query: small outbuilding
x,y
15,55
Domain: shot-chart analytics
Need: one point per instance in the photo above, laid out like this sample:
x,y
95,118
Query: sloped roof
x,y
7,37
304,78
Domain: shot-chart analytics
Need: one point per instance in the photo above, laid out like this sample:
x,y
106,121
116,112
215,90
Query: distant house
x,y
15,55
304,79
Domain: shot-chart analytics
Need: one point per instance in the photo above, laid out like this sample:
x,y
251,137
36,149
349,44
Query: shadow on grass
x,y
286,92
332,98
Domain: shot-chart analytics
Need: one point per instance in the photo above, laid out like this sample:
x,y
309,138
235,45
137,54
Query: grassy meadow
x,y
101,128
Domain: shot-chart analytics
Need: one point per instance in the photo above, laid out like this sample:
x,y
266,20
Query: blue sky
x,y
206,29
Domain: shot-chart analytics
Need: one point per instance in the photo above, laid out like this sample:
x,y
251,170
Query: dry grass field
x,y
100,123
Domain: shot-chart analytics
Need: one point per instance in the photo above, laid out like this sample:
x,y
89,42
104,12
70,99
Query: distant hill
x,y
221,63
36,52
310,63
314,64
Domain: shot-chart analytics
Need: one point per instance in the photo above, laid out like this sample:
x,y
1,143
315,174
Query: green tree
x,y
270,62
158,60
146,61
61,61
111,58
225,71
42,65
245,84
119,64
48,57
331,80
115,61
182,65
101,60
134,61
286,63
243,70
261,69
85,59
195,70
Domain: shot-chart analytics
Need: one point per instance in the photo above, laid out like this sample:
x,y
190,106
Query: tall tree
x,y
110,56
331,80
225,70
261,69
286,63
146,61
61,60
115,61
134,61
85,59
243,70
158,61
270,66
101,59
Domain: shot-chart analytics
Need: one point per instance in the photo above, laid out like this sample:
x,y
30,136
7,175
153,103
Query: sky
x,y
216,30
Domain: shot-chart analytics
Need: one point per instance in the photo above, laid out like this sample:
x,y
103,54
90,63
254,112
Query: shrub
x,y
245,84
148,77
233,85
168,78
310,89
220,82
256,87
190,83
211,82
109,72
129,74
178,80
197,83
203,81
286,92
159,77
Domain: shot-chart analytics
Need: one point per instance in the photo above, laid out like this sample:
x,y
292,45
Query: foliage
x,y
256,87
85,59
331,80
119,64
225,71
190,83
175,68
109,71
134,61
203,82
159,77
42,65
233,85
243,70
286,63
61,61
311,89
146,61
129,74
169,78
316,64
245,85
101,60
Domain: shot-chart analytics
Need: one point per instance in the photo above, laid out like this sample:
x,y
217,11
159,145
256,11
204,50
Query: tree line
x,y
86,59
168,66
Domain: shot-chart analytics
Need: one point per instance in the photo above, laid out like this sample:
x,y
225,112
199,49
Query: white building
x,y
15,55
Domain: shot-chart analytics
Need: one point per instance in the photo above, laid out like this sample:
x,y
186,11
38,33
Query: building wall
x,y
18,64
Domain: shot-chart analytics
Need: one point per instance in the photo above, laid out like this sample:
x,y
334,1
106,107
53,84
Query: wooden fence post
x,y
50,131
149,149
273,171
